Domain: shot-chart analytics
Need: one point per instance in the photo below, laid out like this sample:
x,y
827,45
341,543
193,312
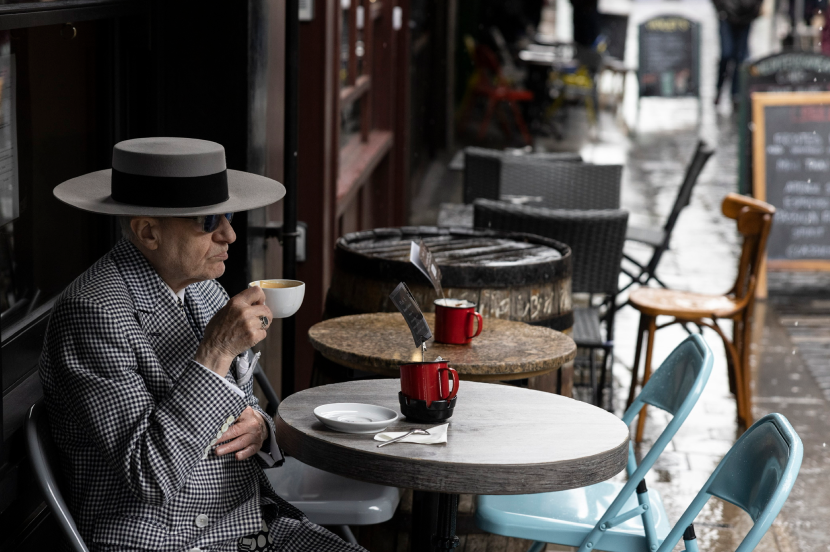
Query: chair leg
x,y
536,547
746,368
607,352
503,122
635,368
348,536
641,421
593,377
740,397
482,130
520,122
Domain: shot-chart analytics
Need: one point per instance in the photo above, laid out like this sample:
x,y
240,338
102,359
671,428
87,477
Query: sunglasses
x,y
210,223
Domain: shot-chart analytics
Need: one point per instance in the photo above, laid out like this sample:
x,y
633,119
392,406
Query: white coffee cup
x,y
283,297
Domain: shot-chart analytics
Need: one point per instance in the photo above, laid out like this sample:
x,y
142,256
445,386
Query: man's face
x,y
188,254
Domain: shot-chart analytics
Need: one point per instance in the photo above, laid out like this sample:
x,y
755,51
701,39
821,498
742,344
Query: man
x,y
146,366
736,17
585,22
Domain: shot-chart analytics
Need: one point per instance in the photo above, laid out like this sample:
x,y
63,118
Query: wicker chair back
x,y
560,185
596,237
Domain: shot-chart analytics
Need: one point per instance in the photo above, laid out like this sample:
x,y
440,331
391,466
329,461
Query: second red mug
x,y
454,321
429,381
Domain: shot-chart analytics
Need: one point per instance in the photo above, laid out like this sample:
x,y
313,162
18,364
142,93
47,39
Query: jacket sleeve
x,y
270,452
153,446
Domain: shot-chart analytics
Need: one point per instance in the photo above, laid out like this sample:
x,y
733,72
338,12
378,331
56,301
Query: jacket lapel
x,y
158,313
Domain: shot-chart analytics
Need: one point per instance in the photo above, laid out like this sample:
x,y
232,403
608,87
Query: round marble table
x,y
501,440
505,350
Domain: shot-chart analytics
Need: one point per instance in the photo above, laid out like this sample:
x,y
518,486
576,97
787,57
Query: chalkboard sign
x,y
787,72
791,145
669,57
615,29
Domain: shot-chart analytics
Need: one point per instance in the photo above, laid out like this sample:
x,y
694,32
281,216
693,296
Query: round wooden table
x,y
501,440
505,350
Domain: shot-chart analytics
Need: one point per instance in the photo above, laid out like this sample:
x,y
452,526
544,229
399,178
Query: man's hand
x,y
245,436
234,329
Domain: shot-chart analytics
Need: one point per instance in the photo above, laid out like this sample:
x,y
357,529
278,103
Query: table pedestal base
x,y
444,538
433,521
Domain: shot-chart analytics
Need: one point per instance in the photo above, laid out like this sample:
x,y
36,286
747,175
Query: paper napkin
x,y
437,435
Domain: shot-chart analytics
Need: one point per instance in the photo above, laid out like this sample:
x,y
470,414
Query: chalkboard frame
x,y
760,101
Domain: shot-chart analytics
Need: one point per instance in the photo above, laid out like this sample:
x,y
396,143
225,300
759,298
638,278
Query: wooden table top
x,y
380,342
501,440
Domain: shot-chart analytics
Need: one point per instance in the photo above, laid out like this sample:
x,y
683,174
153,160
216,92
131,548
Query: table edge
x,y
524,478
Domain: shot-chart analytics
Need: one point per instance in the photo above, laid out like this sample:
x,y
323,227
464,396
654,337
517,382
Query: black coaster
x,y
417,411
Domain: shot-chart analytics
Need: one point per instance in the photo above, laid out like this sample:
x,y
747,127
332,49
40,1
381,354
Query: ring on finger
x,y
264,320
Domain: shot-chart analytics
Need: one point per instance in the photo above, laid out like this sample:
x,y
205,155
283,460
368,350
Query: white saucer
x,y
355,417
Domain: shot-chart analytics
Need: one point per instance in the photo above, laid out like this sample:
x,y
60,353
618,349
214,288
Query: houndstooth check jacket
x,y
136,419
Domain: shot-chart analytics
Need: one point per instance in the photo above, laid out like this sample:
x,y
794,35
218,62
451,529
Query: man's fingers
x,y
239,443
251,296
247,452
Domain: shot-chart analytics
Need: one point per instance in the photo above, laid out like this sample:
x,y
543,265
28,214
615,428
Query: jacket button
x,y
195,550
225,427
202,521
230,420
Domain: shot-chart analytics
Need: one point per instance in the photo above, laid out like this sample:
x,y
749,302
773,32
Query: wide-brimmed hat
x,y
168,177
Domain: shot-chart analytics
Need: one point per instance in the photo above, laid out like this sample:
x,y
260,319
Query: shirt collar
x,y
179,295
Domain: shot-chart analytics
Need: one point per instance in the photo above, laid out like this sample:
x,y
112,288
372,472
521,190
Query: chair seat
x,y
648,236
566,517
686,305
586,328
329,499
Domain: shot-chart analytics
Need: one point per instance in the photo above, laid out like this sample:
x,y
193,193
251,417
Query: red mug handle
x,y
454,377
480,325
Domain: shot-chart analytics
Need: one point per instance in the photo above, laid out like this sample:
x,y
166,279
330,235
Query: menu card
x,y
421,257
405,302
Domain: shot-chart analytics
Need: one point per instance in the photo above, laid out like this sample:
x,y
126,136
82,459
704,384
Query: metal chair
x,y
596,239
756,475
754,220
659,238
42,453
483,169
590,517
326,498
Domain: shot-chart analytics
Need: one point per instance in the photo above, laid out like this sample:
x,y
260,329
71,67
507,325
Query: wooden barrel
x,y
508,275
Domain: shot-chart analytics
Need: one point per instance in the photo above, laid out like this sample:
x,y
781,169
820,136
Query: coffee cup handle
x,y
454,377
480,325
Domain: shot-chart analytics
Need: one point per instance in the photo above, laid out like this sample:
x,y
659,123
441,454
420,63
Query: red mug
x,y
428,381
454,321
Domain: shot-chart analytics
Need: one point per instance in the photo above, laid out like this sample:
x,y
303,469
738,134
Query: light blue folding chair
x,y
590,517
756,475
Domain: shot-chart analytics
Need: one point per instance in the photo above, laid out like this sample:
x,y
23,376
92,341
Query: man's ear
x,y
147,231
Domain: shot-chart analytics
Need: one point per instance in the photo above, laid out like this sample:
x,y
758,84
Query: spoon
x,y
396,439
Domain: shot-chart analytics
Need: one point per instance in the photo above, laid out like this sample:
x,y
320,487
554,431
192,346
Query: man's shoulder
x,y
102,284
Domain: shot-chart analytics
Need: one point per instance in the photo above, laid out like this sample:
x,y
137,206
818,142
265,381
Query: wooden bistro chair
x,y
754,220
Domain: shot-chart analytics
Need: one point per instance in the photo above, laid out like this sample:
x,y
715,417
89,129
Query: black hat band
x,y
169,191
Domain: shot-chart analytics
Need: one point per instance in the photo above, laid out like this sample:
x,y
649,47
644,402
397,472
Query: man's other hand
x,y
235,328
245,436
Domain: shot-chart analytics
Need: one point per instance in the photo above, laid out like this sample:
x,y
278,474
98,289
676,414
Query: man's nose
x,y
225,233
